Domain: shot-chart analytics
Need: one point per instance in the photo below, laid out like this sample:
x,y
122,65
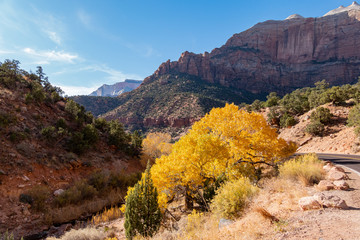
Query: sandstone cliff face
x,y
280,55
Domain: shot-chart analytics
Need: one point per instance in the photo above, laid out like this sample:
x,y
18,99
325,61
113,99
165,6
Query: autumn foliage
x,y
227,141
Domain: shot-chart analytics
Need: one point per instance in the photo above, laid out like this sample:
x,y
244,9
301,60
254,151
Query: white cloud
x,y
54,37
84,18
76,90
113,75
50,56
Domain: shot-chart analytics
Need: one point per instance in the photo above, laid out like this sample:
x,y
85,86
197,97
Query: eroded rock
x,y
308,203
325,185
341,185
330,201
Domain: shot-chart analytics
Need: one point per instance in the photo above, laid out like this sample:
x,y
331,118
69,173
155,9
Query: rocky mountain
x,y
271,56
281,55
116,89
174,101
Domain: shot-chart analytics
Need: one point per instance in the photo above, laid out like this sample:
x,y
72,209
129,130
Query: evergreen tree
x,y
142,214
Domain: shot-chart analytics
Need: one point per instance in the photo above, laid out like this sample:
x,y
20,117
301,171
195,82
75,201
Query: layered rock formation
x,y
281,55
116,89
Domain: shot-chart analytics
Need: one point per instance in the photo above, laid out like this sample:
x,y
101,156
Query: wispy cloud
x,y
84,18
54,37
76,90
113,75
50,56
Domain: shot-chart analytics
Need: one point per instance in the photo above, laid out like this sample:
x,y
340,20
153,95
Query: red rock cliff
x,y
280,55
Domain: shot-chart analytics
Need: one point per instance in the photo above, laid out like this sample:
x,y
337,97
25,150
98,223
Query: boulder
x,y
330,201
341,185
325,185
336,175
308,203
58,192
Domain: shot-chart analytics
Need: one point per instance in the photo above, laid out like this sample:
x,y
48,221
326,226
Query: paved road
x,y
350,161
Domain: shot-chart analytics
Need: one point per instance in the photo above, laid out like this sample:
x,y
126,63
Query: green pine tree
x,y
142,214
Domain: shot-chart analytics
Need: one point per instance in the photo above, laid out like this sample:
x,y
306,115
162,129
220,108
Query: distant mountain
x,y
116,89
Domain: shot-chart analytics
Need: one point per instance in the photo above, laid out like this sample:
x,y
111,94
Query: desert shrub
x,y
122,180
16,137
257,105
72,108
76,194
39,194
354,118
61,123
307,168
117,136
91,135
287,120
49,133
321,114
99,180
232,197
82,234
272,100
6,119
83,140
101,124
315,128
273,117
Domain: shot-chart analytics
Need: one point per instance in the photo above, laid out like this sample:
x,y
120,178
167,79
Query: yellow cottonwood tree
x,y
226,141
154,145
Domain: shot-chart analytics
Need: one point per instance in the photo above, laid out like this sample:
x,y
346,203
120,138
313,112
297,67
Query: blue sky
x,y
83,44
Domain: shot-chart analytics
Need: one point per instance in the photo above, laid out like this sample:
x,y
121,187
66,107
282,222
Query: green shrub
x,y
61,123
49,133
315,128
122,180
287,120
117,136
232,197
99,180
354,116
307,169
39,194
16,137
272,100
321,114
76,194
101,124
72,108
6,119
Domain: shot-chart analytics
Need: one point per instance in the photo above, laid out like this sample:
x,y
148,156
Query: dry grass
x,y
307,169
264,218
107,215
82,234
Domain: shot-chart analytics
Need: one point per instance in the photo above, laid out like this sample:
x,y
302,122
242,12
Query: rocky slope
x,y
97,105
338,137
280,55
174,101
40,138
116,89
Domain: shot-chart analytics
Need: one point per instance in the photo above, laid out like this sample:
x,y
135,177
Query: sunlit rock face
x,y
281,55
